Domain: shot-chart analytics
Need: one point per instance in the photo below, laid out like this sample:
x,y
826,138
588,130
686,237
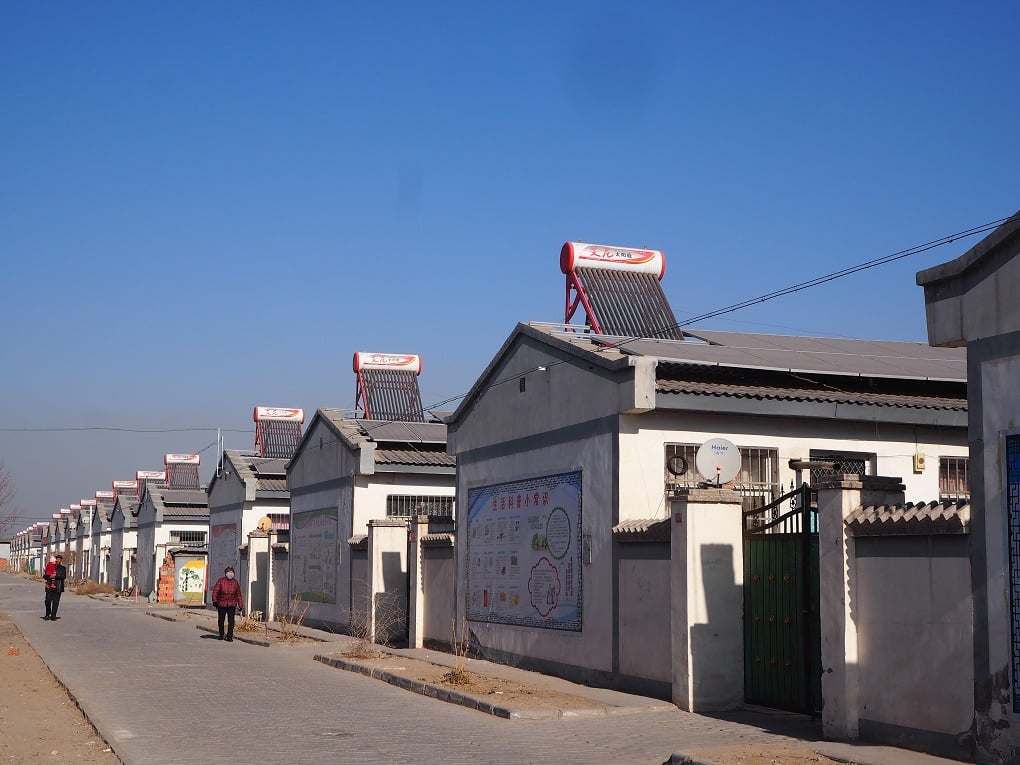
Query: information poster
x,y
523,552
313,555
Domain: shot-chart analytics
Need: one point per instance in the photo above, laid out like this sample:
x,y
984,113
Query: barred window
x,y
954,479
187,538
409,506
846,463
758,480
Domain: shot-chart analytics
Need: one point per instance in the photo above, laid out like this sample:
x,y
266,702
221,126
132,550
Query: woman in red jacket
x,y
226,596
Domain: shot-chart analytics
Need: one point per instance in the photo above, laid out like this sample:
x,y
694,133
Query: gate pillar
x,y
706,599
837,574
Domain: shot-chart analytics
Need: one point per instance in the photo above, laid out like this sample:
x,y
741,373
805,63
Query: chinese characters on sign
x,y
523,550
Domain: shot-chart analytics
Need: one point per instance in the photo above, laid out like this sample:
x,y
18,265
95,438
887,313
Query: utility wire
x,y
816,281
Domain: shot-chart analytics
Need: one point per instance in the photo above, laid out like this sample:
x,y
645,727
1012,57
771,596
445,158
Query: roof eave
x,y
818,410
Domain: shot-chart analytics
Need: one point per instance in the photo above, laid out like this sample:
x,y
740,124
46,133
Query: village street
x,y
165,692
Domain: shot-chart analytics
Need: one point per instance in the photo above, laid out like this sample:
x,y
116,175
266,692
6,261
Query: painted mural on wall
x,y
222,547
523,552
313,555
189,582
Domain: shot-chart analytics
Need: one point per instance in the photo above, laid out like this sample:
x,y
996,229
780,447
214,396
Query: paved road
x,y
166,692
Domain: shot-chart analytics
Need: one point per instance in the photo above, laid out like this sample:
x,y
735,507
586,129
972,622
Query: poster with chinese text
x,y
523,552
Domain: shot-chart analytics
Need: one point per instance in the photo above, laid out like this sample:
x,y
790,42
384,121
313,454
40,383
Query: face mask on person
x,y
230,575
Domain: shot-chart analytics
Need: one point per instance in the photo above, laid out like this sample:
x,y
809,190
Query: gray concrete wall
x,y
644,612
439,570
566,418
915,638
995,404
320,479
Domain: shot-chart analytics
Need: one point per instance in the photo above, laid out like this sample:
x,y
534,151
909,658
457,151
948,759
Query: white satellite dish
x,y
718,460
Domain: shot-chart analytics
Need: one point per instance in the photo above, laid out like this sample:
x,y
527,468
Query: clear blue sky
x,y
204,207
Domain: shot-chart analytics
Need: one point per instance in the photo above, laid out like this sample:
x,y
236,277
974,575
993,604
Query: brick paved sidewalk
x,y
163,691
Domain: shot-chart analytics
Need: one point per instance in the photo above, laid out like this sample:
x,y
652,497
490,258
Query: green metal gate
x,y
782,633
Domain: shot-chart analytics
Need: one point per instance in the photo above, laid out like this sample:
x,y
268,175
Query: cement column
x,y
257,586
837,573
416,609
706,600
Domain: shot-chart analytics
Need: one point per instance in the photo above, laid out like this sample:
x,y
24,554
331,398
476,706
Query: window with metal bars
x,y
187,537
409,506
954,479
846,463
757,482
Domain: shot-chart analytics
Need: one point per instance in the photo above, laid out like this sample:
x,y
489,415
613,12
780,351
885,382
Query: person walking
x,y
54,577
226,596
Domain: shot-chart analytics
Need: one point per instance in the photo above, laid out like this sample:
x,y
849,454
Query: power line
x,y
814,282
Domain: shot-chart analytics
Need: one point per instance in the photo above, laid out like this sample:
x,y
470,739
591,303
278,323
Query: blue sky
x,y
204,207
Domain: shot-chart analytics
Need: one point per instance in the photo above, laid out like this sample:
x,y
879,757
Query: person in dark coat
x,y
226,596
54,587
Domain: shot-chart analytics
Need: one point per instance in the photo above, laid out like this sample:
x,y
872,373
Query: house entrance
x,y
782,631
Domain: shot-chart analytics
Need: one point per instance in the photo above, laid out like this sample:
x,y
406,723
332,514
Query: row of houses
x,y
710,517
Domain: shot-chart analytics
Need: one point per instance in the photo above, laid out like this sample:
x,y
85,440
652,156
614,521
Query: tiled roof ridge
x,y
438,540
642,530
937,517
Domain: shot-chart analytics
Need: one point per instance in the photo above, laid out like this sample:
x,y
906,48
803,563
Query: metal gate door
x,y
782,632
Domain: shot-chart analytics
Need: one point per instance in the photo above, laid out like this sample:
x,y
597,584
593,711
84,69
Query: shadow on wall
x,y
717,645
390,604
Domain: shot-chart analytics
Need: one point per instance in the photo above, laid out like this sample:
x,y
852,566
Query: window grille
x,y
954,479
409,506
187,538
847,463
757,482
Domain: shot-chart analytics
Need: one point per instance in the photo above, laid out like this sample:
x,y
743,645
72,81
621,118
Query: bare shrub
x,y
461,646
390,619
291,619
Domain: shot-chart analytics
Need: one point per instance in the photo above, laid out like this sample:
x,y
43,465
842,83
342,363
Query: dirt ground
x,y
39,722
746,754
495,690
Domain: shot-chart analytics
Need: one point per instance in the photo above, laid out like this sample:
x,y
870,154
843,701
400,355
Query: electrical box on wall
x,y
918,462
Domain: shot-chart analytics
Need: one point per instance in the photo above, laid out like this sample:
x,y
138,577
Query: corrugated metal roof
x,y
831,356
414,457
910,519
184,496
269,473
268,466
186,511
786,386
407,432
272,484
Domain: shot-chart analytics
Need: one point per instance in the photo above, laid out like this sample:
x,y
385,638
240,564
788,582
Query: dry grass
x,y
250,622
89,587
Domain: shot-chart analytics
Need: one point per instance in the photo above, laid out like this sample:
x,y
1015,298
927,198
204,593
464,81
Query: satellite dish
x,y
265,523
718,460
